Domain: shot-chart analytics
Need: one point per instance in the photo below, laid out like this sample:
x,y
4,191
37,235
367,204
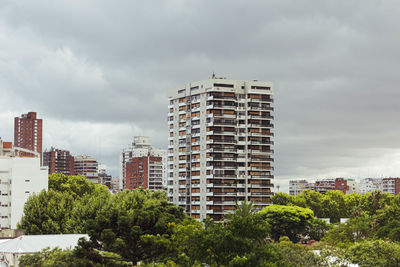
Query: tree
x,y
77,185
374,253
357,228
282,199
290,221
47,213
388,222
239,241
69,204
130,223
312,200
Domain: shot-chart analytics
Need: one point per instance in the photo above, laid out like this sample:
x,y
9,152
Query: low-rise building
x,y
12,250
346,185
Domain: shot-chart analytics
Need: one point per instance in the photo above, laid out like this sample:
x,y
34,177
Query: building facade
x,y
346,185
298,186
391,185
59,161
220,146
141,154
104,178
144,172
87,166
28,133
20,176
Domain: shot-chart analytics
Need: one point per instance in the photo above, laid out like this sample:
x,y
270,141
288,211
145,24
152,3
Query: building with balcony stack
x,y
20,177
87,166
28,133
143,166
220,146
391,185
298,186
59,161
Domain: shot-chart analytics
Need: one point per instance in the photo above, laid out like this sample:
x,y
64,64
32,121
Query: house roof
x,y
35,243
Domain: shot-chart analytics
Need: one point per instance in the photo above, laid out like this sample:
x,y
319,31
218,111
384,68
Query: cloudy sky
x,y
98,72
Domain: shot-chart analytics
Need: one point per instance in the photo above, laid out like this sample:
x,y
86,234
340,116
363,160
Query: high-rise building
x,y
20,176
143,166
220,146
87,166
58,161
28,133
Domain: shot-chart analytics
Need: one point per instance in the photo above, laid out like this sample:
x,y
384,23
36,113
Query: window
x,y
223,85
261,87
181,91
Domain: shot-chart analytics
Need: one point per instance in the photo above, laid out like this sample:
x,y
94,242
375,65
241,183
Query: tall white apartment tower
x,y
220,146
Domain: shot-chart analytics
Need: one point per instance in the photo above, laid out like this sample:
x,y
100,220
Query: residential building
x,y
220,146
20,177
28,133
146,168
145,172
87,166
323,185
58,161
104,178
368,185
297,186
346,185
391,185
115,185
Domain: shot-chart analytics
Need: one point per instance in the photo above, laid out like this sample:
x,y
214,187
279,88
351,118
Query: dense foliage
x,y
290,221
142,226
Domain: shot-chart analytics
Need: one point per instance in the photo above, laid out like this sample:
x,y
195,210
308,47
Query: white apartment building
x,y
141,147
368,185
20,176
298,186
220,146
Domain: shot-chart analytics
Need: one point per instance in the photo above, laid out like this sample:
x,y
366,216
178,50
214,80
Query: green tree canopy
x,y
290,221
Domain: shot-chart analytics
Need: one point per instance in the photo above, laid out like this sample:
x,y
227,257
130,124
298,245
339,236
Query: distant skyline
x,y
98,72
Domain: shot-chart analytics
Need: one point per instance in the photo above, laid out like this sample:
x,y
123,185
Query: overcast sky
x,y
98,72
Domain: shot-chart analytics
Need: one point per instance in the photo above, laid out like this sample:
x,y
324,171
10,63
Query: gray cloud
x,y
108,66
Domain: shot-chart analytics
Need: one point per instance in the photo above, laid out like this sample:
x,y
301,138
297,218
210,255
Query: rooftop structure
x,y
11,250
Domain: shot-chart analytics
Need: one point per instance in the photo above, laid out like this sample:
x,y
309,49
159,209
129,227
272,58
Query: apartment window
x,y
181,91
